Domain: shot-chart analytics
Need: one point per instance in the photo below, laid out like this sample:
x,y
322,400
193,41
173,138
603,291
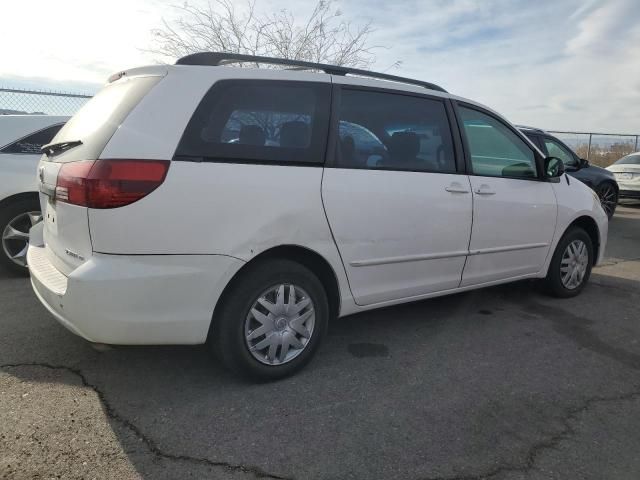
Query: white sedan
x,y
627,172
21,137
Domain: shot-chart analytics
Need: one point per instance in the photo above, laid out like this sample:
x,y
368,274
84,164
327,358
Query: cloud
x,y
606,28
571,65
577,63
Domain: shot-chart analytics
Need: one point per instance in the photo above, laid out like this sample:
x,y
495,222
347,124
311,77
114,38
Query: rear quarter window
x,y
259,121
31,144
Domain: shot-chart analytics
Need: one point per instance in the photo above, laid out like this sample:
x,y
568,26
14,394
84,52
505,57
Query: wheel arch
x,y
18,197
609,181
303,255
589,225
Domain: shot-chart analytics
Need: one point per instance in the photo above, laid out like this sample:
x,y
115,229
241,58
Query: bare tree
x,y
324,37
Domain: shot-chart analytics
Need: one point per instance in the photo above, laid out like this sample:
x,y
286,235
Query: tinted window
x,y
31,144
496,151
396,132
554,149
260,121
629,160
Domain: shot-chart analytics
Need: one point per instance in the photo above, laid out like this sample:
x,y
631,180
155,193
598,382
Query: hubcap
x,y
608,199
574,264
279,324
15,237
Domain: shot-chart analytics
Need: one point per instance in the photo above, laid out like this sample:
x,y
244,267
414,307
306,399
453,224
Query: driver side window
x,y
495,150
554,149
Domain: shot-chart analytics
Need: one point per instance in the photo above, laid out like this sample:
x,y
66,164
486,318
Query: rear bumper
x,y
134,300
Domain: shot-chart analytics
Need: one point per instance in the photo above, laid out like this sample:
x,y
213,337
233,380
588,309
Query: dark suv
x,y
600,180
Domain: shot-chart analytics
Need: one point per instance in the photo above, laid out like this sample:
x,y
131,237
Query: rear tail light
x,y
109,183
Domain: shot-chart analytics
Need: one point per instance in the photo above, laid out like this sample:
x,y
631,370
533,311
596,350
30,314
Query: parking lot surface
x,y
501,383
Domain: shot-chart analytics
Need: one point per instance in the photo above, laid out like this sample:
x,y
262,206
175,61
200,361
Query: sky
x,y
553,64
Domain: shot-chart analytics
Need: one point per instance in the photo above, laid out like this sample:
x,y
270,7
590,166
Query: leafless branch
x,y
221,26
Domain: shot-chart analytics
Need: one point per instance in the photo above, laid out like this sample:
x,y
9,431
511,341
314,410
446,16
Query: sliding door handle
x,y
485,189
456,187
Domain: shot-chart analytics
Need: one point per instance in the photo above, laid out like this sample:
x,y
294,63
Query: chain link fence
x,y
601,149
15,101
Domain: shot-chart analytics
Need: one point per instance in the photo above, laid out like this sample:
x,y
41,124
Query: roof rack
x,y
221,58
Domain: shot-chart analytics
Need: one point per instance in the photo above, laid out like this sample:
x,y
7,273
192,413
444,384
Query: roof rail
x,y
221,58
525,127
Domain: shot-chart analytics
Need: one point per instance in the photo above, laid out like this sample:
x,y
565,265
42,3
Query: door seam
x,y
335,243
473,204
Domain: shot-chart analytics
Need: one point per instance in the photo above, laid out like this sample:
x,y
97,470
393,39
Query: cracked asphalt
x,y
501,383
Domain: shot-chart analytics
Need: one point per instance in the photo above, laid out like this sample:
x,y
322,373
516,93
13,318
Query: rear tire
x,y
571,264
15,220
259,329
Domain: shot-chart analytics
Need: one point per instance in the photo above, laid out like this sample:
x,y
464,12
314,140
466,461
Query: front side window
x,y
31,144
280,122
395,132
554,149
495,150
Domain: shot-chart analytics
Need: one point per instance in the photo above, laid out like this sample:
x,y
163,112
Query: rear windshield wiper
x,y
55,148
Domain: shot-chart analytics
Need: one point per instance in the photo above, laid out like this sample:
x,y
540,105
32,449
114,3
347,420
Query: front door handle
x,y
456,187
485,189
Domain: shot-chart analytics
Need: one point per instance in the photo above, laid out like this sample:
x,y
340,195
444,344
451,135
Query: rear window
x,y
31,144
629,160
98,119
266,121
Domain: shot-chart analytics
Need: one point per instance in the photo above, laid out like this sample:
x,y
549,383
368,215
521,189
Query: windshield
x,y
629,160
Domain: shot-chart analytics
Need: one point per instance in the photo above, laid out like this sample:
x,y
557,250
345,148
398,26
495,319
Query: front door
x,y
399,211
514,211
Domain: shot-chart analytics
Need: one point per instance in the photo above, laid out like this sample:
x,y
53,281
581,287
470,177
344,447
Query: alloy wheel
x,y
608,199
15,236
574,264
279,324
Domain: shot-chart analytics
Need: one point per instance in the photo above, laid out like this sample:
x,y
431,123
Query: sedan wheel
x,y
608,199
15,237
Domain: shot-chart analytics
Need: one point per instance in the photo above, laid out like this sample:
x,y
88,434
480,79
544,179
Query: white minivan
x,y
246,207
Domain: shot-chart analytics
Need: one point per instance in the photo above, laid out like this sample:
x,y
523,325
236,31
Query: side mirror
x,y
553,168
584,163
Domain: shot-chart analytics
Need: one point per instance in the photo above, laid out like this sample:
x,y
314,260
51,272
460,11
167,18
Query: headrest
x,y
294,134
251,135
404,145
347,145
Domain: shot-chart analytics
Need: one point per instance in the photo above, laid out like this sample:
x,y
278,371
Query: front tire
x,y
16,219
271,322
571,264
608,196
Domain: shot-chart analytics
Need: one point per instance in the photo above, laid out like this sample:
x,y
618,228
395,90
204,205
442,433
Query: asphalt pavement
x,y
501,383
